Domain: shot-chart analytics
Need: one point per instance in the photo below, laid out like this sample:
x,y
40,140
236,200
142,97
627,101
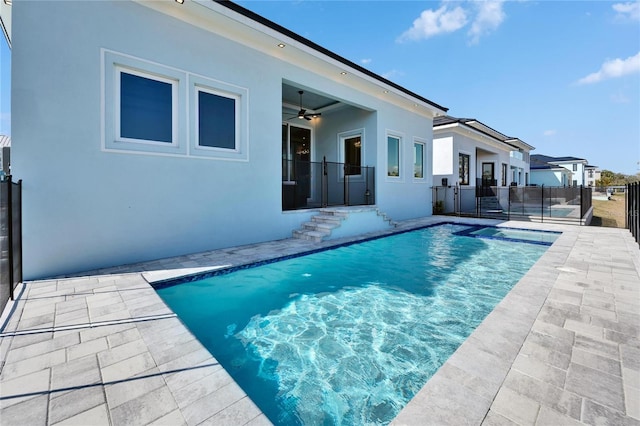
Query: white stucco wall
x,y
84,207
549,178
449,144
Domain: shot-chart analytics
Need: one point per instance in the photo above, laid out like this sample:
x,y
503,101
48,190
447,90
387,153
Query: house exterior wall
x,y
577,175
449,144
550,177
86,206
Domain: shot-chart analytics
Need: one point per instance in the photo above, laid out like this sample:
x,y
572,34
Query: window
x,y
353,155
463,168
146,108
504,174
155,109
216,120
418,160
393,156
575,167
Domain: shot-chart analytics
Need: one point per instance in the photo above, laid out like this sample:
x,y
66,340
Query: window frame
x,y
342,155
468,169
423,159
504,170
399,138
236,106
185,87
119,70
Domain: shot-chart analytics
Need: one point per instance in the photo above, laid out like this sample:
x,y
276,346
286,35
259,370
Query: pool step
x,y
322,224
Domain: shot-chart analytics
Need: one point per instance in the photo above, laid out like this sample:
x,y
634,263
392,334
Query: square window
x,y
146,108
216,121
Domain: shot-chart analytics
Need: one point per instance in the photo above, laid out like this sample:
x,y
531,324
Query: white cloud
x,y
614,68
434,22
365,61
549,132
485,16
628,10
490,16
390,75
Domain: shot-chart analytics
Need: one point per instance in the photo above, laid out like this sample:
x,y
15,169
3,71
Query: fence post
x,y
542,203
324,186
10,232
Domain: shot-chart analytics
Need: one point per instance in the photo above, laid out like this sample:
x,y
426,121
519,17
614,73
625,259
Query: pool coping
x,y
131,373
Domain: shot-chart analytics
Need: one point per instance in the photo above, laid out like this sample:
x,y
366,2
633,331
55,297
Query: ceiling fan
x,y
303,112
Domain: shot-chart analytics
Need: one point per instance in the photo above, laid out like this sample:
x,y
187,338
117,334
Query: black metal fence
x,y
632,209
10,238
531,203
307,184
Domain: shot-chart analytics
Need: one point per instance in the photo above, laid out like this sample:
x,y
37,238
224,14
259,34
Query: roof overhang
x,y
252,30
472,132
517,143
5,20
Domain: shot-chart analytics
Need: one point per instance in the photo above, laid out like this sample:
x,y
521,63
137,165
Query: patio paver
x,y
563,347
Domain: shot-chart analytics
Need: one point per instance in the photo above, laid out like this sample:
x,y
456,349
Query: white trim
x,y
119,70
422,142
400,137
342,137
184,110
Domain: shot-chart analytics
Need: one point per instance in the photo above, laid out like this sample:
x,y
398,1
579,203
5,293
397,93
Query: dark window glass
x,y
145,108
463,169
216,121
418,167
353,155
504,174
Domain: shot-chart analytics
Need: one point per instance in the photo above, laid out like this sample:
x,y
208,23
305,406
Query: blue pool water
x,y
350,335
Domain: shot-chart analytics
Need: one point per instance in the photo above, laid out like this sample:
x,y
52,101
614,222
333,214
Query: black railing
x,y
632,209
307,184
10,238
566,204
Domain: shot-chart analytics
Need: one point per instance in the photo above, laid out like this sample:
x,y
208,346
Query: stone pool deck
x,y
562,348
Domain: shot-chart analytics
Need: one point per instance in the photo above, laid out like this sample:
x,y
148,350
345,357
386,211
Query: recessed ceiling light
x,y
180,1
281,45
343,73
386,91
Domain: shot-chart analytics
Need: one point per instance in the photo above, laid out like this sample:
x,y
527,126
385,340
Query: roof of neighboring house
x,y
556,160
264,21
5,141
541,162
482,128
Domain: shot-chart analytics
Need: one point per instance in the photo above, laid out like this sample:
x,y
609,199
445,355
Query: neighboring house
x,y
558,171
468,153
160,129
592,175
5,155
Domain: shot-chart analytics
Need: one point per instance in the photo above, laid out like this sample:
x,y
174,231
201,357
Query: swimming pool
x,y
350,335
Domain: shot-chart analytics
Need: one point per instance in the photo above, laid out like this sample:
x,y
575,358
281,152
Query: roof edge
x,y
279,28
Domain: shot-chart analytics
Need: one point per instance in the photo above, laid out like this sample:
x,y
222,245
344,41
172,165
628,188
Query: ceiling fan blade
x,y
306,117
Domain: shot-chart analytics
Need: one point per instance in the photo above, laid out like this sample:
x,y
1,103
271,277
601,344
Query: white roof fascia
x,y
211,16
475,134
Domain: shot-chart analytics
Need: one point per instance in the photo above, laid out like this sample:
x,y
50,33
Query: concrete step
x,y
315,225
321,225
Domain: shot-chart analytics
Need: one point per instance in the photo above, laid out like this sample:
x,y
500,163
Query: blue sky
x,y
563,76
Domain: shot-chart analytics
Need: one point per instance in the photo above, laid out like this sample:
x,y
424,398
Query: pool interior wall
x,y
268,322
